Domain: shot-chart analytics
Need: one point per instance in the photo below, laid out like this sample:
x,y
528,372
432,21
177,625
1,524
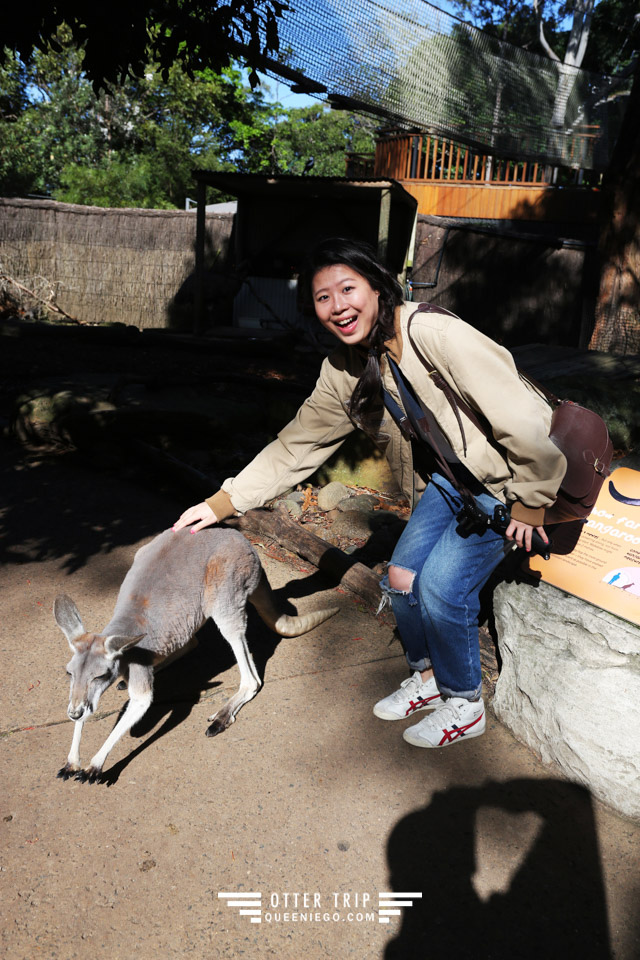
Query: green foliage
x,y
120,38
113,183
515,21
136,144
321,135
478,84
614,37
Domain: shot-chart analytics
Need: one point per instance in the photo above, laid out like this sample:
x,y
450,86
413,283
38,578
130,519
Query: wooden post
x,y
198,321
415,148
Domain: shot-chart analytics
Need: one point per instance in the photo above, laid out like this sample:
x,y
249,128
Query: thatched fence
x,y
137,267
132,266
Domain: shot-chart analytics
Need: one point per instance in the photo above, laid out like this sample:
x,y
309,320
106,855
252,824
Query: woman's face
x,y
345,303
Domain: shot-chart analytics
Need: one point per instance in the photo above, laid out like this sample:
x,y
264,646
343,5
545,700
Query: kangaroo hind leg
x,y
232,624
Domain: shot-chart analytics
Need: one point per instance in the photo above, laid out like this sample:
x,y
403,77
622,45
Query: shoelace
x,y
409,686
447,712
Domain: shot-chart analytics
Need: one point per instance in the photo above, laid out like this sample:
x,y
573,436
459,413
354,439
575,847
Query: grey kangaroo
x,y
175,582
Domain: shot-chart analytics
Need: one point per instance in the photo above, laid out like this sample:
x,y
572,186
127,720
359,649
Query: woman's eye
x,y
347,289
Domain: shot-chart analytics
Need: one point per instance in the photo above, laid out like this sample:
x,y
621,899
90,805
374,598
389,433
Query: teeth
x,y
344,323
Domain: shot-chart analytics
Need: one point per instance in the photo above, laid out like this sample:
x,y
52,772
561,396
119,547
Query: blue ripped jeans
x,y
437,617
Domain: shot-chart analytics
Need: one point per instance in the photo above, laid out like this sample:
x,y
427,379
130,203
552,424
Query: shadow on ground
x,y
554,903
54,507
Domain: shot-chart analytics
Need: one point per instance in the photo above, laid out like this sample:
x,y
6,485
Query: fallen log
x,y
277,525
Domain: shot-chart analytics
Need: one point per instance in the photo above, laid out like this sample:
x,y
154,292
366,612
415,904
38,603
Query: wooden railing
x,y
452,180
434,160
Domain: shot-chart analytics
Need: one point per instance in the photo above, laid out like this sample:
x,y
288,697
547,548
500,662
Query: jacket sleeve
x,y
485,375
319,428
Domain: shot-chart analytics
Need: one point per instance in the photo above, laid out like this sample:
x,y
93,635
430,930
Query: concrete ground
x,y
307,801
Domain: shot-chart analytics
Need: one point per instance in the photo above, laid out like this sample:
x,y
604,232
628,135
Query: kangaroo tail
x,y
281,623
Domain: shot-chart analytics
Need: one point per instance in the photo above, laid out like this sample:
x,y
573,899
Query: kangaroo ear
x,y
68,619
115,646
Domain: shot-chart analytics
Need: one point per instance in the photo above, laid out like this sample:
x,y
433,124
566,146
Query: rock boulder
x,y
570,688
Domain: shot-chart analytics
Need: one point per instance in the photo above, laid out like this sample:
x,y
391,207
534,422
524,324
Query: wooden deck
x,y
450,179
491,201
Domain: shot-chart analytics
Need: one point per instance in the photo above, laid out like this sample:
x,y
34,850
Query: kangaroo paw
x,y
217,727
66,772
90,775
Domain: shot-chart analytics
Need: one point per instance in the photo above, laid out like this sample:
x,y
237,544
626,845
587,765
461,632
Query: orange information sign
x,y
604,567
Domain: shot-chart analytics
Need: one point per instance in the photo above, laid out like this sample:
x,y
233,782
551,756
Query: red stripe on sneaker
x,y
422,701
456,732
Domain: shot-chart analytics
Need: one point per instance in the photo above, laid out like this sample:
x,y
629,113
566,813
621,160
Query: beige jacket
x,y
520,466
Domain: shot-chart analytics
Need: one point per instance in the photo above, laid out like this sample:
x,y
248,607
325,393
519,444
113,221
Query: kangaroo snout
x,y
77,713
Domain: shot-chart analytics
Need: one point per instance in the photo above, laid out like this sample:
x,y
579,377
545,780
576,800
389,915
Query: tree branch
x,y
537,6
50,304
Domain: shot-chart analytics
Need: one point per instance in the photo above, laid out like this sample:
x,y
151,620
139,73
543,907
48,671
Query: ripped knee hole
x,y
401,579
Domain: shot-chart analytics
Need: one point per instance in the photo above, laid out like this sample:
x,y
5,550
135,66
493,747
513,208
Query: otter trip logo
x,y
314,907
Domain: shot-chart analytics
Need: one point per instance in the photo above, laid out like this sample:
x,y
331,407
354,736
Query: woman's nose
x,y
339,304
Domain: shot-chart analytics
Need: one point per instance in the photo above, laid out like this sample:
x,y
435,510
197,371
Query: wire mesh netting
x,y
419,67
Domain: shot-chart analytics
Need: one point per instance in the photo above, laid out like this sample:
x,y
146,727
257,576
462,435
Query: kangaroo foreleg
x,y
140,697
134,711
72,766
233,629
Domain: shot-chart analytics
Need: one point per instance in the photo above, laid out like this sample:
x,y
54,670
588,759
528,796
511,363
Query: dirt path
x,y
307,793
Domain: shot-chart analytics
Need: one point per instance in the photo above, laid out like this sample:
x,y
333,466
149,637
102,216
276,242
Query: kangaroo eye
x,y
104,676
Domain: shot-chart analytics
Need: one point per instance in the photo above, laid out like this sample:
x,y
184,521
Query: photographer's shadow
x,y
507,871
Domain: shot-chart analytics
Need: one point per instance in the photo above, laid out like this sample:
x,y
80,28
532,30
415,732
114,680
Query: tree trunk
x,y
617,320
574,55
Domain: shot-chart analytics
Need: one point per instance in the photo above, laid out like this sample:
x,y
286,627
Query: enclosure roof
x,y
288,185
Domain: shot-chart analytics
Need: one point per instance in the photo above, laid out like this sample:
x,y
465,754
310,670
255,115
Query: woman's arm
x,y
485,375
319,428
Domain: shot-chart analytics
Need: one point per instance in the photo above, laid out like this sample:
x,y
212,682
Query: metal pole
x,y
383,223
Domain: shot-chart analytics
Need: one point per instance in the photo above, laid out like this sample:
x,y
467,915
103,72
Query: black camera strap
x,y
415,425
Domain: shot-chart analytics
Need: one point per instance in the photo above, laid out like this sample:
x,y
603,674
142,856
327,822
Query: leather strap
x,y
455,400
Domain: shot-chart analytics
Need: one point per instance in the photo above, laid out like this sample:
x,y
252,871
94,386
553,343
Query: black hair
x,y
362,258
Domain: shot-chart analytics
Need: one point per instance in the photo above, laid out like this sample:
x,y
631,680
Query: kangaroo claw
x,y
90,775
66,772
216,727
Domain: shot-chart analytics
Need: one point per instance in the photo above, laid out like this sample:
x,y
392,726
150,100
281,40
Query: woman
x,y
436,571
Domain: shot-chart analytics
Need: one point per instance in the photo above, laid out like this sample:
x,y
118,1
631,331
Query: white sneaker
x,y
454,720
412,696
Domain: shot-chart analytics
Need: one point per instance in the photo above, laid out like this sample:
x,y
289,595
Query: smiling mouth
x,y
347,322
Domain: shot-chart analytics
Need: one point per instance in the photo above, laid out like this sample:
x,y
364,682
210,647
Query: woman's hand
x,y
522,532
201,516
